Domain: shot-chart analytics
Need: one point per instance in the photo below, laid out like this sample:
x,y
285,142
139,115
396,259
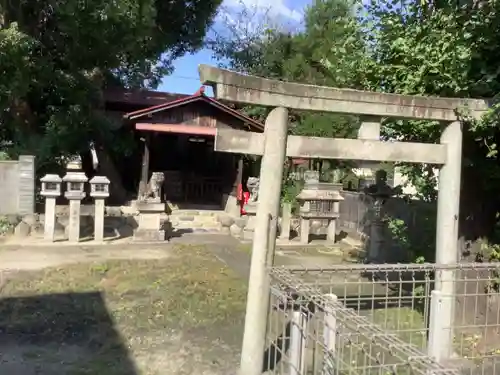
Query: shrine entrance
x,y
194,172
179,138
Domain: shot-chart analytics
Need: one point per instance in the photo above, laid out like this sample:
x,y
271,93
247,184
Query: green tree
x,y
292,55
438,48
56,57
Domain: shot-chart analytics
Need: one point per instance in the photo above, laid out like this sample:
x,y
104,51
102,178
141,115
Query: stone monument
x,y
51,189
321,201
380,192
151,209
75,192
99,190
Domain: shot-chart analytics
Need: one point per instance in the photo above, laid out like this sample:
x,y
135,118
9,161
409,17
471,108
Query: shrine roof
x,y
199,96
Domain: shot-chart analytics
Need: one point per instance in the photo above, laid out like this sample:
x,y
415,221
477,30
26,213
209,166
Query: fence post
x,y
437,335
298,333
329,338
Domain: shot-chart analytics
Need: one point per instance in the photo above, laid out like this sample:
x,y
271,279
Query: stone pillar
x,y
75,184
286,221
447,232
331,230
305,228
51,189
271,175
369,130
332,224
99,190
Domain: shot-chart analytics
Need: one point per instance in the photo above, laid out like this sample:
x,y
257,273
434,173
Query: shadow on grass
x,y
67,333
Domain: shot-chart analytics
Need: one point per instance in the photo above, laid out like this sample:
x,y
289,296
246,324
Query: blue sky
x,y
184,79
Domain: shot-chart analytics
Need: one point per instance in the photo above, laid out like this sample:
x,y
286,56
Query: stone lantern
x,y
380,192
99,190
75,192
51,189
320,201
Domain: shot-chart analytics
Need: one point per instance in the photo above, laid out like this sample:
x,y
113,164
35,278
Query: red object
x,y
243,198
239,194
244,201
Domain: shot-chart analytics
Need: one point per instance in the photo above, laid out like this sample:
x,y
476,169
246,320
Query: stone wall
x,y
17,186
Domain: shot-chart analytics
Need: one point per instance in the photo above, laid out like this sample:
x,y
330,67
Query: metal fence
x,y
383,319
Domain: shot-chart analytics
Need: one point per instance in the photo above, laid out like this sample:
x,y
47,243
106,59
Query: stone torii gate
x,y
274,145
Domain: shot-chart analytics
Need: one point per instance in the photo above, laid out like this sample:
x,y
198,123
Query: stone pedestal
x,y
99,190
99,220
150,226
286,221
74,220
75,182
50,219
51,189
248,231
375,243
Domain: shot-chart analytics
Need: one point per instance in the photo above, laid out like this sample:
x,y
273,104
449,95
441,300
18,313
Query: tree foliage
x,y
435,47
286,55
56,57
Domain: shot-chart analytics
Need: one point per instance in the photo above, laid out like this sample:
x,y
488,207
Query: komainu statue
x,y
253,186
153,188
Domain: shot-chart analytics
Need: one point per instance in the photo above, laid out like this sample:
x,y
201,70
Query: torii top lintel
x,y
240,88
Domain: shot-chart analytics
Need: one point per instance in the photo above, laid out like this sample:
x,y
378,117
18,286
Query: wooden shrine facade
x,y
179,140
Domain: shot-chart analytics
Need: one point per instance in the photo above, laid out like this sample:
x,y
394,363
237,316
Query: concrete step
x,y
196,213
197,220
196,224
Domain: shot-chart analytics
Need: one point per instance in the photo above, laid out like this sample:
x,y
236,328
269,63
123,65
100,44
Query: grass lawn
x,y
179,315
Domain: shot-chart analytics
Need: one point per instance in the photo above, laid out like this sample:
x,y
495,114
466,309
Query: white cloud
x,y
273,8
248,17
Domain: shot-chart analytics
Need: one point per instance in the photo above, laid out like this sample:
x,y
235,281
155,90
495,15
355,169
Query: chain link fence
x,y
383,319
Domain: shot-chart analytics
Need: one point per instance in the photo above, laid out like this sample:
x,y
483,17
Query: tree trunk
x,y
117,193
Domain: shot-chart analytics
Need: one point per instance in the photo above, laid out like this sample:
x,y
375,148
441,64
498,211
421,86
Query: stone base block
x,y
149,235
149,206
150,221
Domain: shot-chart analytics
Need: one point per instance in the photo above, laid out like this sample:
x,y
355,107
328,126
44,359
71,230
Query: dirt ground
x,y
175,311
174,308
